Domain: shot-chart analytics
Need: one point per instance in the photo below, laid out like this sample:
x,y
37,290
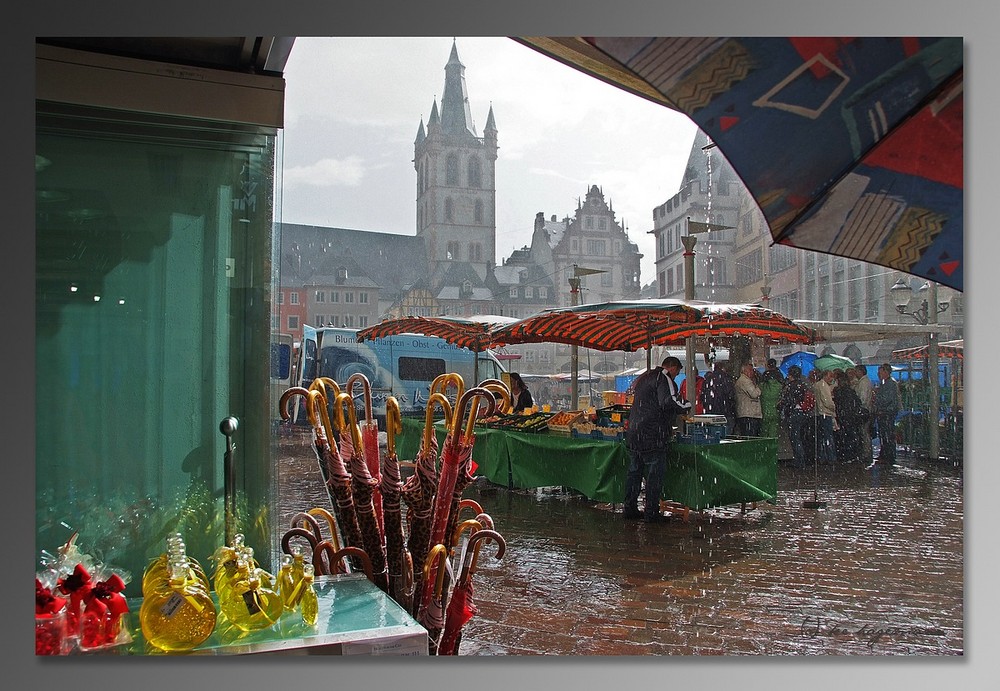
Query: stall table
x,y
698,476
355,618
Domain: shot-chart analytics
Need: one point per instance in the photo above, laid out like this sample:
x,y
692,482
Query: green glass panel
x,y
153,284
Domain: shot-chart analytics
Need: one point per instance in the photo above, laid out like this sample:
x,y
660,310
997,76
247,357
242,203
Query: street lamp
x,y
926,313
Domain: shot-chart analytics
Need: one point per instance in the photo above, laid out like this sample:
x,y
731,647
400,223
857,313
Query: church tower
x,y
456,181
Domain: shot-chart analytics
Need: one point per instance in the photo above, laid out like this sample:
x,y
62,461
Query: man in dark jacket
x,y
655,405
718,394
886,405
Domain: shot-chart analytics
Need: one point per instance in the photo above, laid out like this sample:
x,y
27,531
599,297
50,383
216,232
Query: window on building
x,y
781,257
602,223
670,242
320,296
334,320
362,321
349,296
596,247
715,271
544,356
513,291
479,211
749,268
810,299
319,319
670,281
334,296
665,281
293,322
449,210
451,170
823,313
293,298
543,293
349,321
475,252
575,245
607,279
588,222
363,298
452,251
680,276
475,172
281,297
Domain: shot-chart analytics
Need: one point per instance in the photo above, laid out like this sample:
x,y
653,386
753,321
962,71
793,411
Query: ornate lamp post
x,y
926,313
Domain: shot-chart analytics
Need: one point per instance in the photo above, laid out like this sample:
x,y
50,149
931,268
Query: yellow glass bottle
x,y
179,616
308,601
286,584
250,605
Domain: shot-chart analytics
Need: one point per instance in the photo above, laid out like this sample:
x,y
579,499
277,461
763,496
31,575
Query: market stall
x,y
699,476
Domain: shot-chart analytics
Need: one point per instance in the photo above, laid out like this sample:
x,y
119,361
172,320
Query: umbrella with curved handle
x,y
391,485
457,451
418,492
461,606
363,487
369,436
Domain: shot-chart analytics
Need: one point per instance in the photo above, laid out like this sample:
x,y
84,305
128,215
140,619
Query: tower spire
x,y
456,115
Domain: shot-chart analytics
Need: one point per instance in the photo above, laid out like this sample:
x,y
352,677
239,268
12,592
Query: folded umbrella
x,y
391,485
461,606
369,436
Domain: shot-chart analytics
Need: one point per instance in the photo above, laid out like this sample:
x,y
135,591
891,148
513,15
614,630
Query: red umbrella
x,y
363,486
618,325
418,491
720,320
457,451
369,435
461,607
391,485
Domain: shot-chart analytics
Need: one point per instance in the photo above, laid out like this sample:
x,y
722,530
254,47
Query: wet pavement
x,y
878,571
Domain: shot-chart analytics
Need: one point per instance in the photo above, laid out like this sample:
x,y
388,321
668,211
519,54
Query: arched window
x,y
479,211
448,210
451,170
475,173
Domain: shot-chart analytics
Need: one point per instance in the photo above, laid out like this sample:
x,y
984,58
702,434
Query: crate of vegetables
x,y
563,421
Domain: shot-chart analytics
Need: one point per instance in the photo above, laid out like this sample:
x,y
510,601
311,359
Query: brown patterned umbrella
x,y
391,485
363,486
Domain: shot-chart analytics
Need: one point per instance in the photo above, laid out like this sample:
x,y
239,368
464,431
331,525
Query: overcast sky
x,y
353,106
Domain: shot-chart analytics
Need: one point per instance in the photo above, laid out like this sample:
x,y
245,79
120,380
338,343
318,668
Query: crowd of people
x,y
832,415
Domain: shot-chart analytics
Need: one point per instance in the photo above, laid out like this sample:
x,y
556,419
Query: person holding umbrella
x,y
655,405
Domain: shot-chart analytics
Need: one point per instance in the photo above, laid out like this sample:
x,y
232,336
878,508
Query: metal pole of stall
x,y
574,387
933,439
691,367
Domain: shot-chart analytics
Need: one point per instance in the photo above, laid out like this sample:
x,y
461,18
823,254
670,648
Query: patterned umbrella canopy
x,y
473,332
722,320
850,145
946,349
619,325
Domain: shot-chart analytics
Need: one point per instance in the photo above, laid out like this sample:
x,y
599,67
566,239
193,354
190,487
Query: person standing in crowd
x,y
826,417
520,397
699,381
771,371
655,405
793,414
771,384
748,409
718,394
886,407
851,417
862,386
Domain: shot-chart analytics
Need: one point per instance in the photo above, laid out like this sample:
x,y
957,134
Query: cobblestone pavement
x,y
878,571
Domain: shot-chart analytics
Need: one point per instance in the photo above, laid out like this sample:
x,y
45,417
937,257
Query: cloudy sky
x,y
353,106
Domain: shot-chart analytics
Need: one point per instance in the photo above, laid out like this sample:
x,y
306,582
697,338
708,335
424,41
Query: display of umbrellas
x,y
422,571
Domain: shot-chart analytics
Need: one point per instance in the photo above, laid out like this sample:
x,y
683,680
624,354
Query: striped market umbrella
x,y
627,325
474,333
946,349
720,320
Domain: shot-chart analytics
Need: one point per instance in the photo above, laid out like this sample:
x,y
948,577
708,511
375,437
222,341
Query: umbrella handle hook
x,y
471,524
441,400
474,546
366,388
471,396
331,522
322,384
498,388
343,402
437,553
286,396
319,414
441,382
393,424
